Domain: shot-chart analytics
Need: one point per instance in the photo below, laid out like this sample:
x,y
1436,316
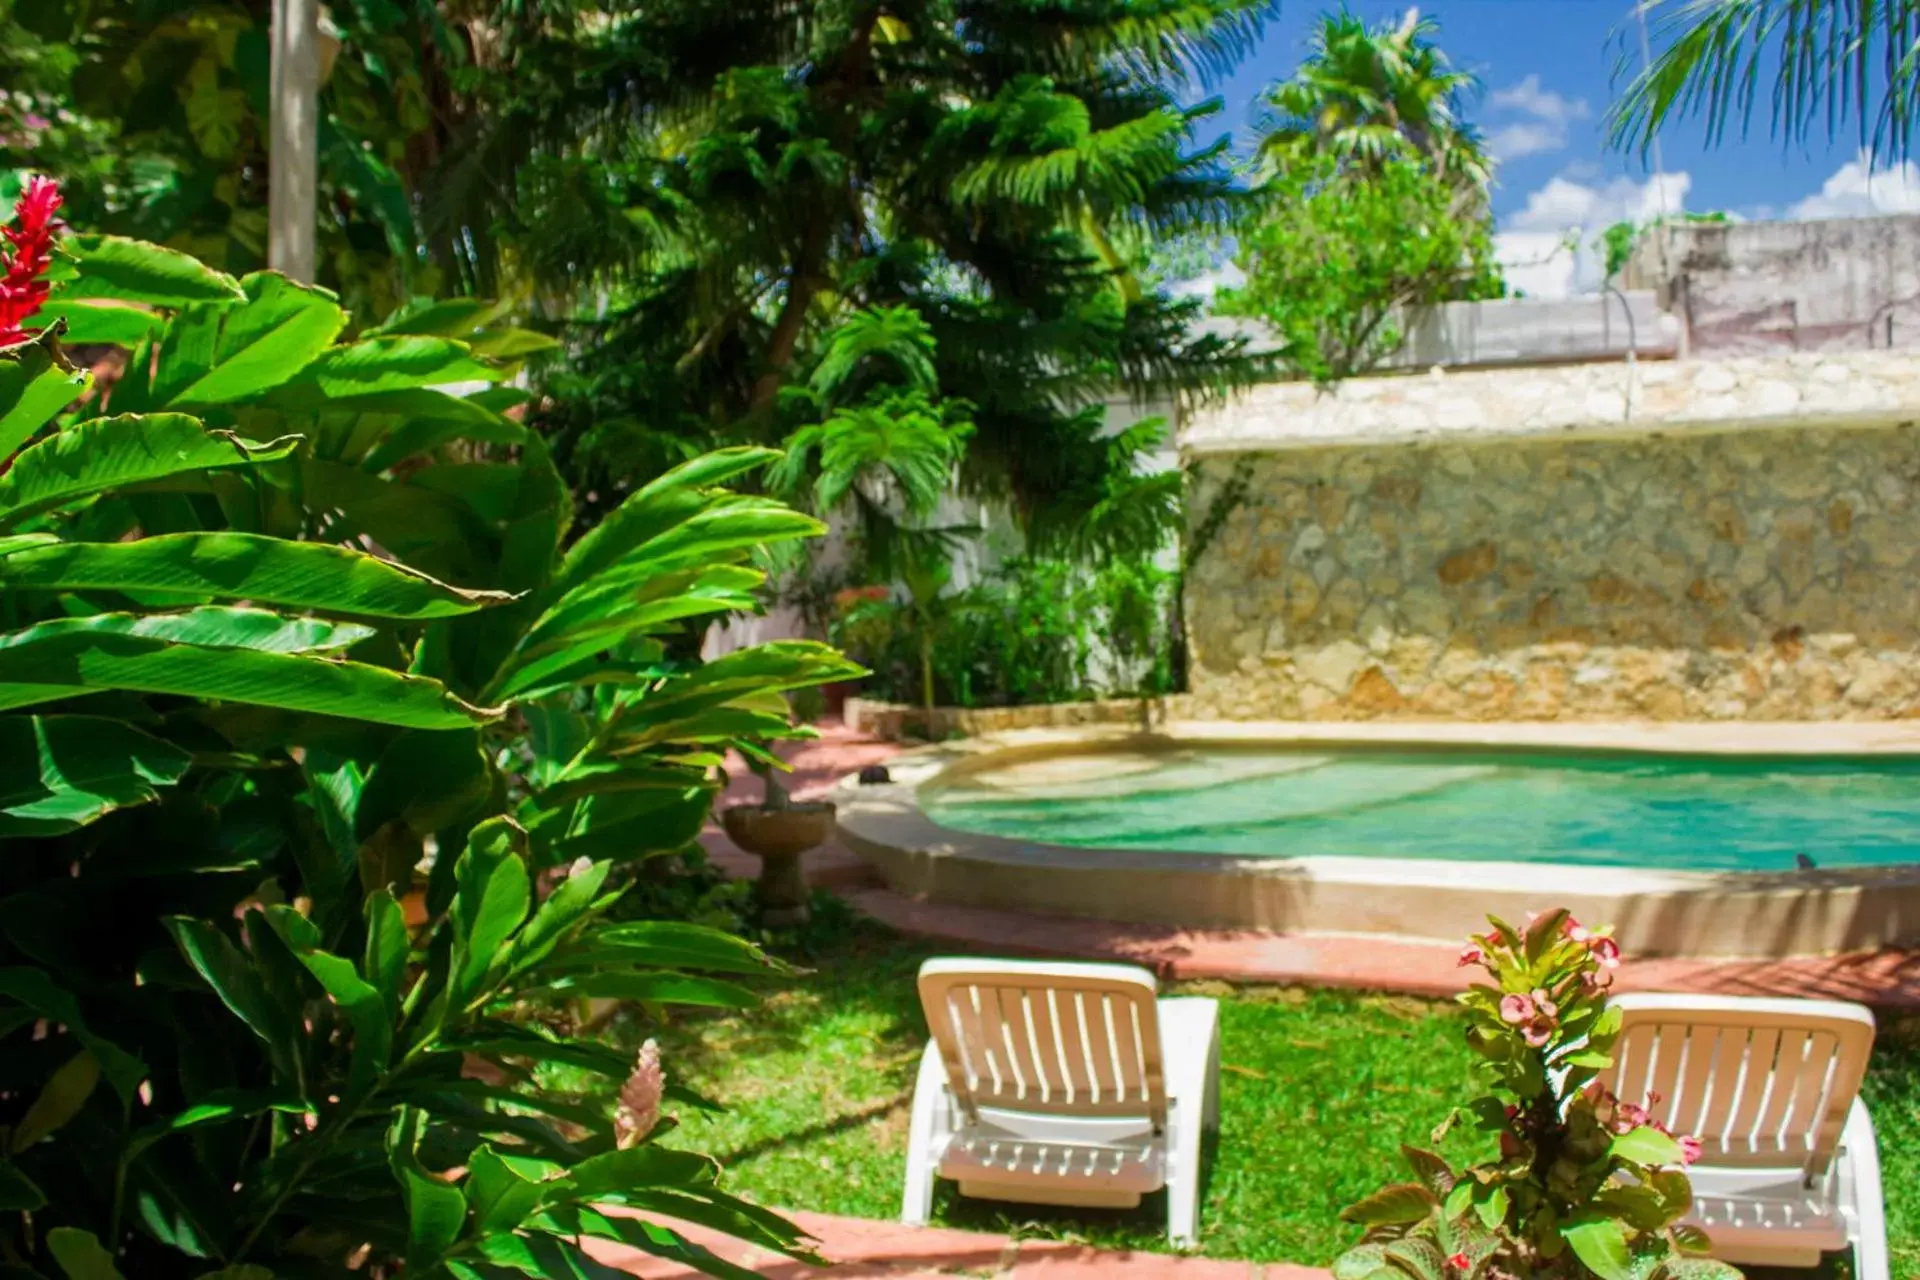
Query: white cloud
x,y
1565,203
1858,189
1225,276
1511,141
1547,249
1529,98
1547,128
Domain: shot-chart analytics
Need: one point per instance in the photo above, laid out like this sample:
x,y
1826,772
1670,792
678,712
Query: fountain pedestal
x,y
778,836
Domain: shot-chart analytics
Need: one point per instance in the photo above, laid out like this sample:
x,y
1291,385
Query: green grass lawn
x,y
1318,1089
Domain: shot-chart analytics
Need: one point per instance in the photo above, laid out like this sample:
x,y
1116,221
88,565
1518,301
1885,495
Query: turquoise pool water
x,y
1677,812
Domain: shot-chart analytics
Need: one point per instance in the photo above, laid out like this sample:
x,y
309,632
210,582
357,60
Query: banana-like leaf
x,y
108,323
113,453
244,566
447,318
36,383
665,502
58,773
192,655
221,354
135,271
396,363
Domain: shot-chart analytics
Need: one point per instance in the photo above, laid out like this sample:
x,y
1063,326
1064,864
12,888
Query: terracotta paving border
x,y
862,1249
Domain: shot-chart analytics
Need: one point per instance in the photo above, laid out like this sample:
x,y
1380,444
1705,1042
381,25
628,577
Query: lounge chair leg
x,y
1862,1154
929,1096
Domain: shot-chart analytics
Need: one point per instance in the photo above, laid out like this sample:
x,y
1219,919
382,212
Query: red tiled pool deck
x,y
1885,979
860,1249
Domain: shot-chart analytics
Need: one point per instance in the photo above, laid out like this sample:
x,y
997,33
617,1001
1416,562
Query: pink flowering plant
x,y
1584,1184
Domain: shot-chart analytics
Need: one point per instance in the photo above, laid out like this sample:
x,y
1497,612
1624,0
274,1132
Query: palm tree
x,y
1368,95
1832,59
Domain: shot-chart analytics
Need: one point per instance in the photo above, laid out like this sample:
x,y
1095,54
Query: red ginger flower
x,y
22,288
1460,1262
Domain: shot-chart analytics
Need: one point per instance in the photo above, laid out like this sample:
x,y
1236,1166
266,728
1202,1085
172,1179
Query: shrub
x,y
1036,630
301,845
1585,1184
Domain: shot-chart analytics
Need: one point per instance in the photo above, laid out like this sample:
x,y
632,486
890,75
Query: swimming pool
x,y
1671,812
1694,839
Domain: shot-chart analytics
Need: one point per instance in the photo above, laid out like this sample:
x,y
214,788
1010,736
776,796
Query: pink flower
x,y
1516,1009
1460,1262
638,1109
1539,1031
1472,954
1546,1007
1606,951
31,237
1690,1149
1571,928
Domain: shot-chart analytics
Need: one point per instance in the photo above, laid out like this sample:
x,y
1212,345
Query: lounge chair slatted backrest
x,y
1764,1083
1069,1040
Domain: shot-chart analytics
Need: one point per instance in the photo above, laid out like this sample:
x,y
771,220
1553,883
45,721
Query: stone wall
x,y
1679,566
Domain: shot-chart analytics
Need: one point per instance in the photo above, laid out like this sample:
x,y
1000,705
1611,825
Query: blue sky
x,y
1546,68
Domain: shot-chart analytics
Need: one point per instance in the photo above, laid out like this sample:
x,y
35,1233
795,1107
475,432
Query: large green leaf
x,y
60,1100
233,977
395,363
58,773
81,1255
135,271
435,1209
73,656
113,453
220,355
681,945
490,900
363,1003
244,566
659,988
1645,1145
1601,1243
501,1190
1401,1202
94,322
668,500
35,384
18,1192
32,989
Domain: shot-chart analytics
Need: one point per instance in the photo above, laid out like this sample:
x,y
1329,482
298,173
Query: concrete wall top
x,y
1510,331
1850,388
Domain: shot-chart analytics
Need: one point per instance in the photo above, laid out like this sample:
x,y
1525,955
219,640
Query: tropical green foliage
x,y
1829,61
329,748
1034,631
1371,95
1585,1184
155,112
1343,256
1373,203
995,169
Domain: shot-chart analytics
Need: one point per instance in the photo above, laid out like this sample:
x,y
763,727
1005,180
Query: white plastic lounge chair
x,y
1067,1084
1771,1088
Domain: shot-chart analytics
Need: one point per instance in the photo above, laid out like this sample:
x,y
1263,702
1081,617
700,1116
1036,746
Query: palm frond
x,y
1829,61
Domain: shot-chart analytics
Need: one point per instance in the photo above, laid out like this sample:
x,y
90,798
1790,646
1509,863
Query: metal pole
x,y
1659,168
293,138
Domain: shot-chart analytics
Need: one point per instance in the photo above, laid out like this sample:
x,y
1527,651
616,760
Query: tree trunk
x,y
926,678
